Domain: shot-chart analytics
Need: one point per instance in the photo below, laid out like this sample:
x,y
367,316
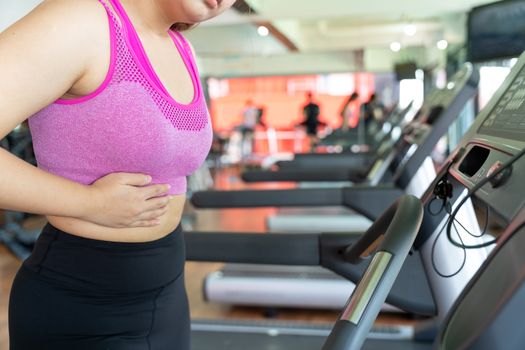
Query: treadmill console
x,y
507,118
497,135
504,193
488,313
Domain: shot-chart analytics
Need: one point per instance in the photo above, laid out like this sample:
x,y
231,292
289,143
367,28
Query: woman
x,y
118,120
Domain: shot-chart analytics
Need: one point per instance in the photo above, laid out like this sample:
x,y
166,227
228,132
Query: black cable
x,y
441,193
469,195
485,226
451,219
432,259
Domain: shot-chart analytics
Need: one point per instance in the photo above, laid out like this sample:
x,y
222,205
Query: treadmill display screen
x,y
507,118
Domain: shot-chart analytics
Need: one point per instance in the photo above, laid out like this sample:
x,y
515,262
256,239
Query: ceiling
x,y
308,36
333,25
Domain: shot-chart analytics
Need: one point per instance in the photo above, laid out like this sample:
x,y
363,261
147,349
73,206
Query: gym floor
x,y
251,220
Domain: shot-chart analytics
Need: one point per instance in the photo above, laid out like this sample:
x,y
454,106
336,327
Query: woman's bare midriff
x,y
168,222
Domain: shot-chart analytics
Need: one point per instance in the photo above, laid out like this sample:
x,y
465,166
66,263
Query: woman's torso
x,y
175,76
168,223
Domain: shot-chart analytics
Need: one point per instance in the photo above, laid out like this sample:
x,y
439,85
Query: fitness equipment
x,y
338,166
318,167
419,136
374,133
489,165
413,170
288,287
391,130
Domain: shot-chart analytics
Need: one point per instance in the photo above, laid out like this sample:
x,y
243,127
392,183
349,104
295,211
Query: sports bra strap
x,y
110,13
187,52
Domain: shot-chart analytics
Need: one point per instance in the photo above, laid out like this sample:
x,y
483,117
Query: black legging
x,y
78,293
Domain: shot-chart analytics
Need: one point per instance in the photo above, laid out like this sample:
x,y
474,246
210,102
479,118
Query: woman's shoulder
x,y
52,47
77,26
71,6
80,16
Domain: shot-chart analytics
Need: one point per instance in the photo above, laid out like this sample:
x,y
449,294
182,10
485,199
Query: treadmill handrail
x,y
350,331
357,251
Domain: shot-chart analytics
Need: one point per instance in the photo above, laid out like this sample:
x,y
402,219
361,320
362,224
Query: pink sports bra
x,y
129,124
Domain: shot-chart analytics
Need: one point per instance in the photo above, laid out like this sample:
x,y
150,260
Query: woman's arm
x,y
42,57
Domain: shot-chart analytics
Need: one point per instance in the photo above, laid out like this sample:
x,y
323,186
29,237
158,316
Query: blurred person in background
x,y
350,112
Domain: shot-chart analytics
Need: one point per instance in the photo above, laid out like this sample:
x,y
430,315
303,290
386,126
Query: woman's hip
x,y
44,315
95,266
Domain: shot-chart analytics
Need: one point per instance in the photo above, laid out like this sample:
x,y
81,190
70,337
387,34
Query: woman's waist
x,y
86,264
89,230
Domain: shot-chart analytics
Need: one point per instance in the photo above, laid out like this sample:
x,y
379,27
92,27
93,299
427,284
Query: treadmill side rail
x,y
341,173
253,248
366,200
268,198
321,160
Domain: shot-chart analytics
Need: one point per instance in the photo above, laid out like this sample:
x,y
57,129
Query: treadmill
x,y
402,166
312,286
391,128
475,304
439,110
338,167
286,219
373,133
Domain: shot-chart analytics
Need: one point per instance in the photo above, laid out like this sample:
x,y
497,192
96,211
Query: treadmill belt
x,y
202,340
285,335
205,340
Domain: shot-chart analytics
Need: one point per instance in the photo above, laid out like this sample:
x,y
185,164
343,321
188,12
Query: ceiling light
x,y
395,46
442,44
410,29
263,31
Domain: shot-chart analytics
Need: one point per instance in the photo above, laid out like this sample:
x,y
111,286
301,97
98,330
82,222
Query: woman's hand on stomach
x,y
125,200
123,207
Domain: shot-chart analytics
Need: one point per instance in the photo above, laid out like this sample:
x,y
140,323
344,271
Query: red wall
x,y
282,98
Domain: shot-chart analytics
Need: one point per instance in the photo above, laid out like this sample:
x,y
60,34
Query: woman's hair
x,y
180,27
